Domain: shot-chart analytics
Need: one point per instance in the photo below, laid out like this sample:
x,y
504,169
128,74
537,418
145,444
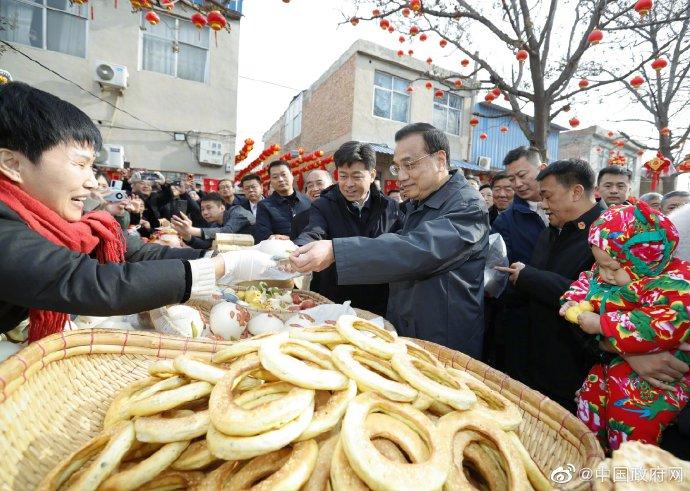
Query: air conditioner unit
x,y
110,75
211,152
112,156
484,162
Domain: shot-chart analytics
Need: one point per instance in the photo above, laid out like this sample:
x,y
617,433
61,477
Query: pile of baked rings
x,y
343,407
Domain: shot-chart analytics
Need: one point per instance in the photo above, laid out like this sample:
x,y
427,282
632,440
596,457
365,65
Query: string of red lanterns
x,y
267,152
245,151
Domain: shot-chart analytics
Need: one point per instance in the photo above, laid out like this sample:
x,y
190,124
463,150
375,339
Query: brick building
x,y
363,96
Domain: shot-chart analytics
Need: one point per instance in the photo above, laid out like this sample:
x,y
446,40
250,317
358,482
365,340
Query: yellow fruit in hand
x,y
572,313
585,306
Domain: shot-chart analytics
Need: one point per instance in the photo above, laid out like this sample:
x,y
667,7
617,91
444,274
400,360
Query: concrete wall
x,y
368,127
167,103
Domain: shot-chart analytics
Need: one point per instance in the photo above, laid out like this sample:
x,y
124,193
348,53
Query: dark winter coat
x,y
520,227
331,216
274,214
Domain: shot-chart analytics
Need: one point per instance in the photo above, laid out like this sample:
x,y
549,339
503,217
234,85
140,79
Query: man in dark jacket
x,y
315,182
226,189
274,214
354,207
520,226
560,355
503,194
235,220
435,264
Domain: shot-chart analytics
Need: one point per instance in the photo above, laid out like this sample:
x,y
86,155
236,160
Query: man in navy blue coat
x,y
274,214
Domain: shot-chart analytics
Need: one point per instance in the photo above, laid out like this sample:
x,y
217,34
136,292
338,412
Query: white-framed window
x,y
448,113
55,25
293,119
175,47
391,101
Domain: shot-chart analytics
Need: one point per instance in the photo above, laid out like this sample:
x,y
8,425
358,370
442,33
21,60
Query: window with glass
x,y
448,113
391,101
175,47
55,25
293,120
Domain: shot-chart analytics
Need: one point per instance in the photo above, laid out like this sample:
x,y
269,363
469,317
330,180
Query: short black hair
x,y
33,121
569,173
278,163
434,139
530,153
615,170
485,186
354,151
213,197
250,177
498,177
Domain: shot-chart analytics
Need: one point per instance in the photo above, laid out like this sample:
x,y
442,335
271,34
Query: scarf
x,y
96,232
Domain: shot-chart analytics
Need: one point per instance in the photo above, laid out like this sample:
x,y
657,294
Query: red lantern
x,y
474,122
401,39
423,37
354,21
610,134
595,36
375,13
465,62
684,166
659,64
643,7
665,131
414,30
168,4
489,98
409,89
496,91
503,129
428,85
429,61
136,4
385,23
410,52
416,5
657,167
619,143
401,53
216,21
483,136
574,122
522,55
249,141
391,29
457,83
583,84
637,82
199,20
300,150
438,94
640,153
443,43
152,18
406,12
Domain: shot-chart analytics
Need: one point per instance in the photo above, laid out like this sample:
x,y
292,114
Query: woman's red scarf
x,y
97,231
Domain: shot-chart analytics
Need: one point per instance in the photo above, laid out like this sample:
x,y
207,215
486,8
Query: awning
x,y
382,148
456,164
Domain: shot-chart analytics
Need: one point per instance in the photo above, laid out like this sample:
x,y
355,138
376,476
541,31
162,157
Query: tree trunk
x,y
540,133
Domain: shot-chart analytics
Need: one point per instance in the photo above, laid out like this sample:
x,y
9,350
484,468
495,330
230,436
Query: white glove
x,y
247,265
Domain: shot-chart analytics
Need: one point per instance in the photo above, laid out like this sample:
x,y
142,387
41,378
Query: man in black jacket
x,y
354,207
315,182
560,354
233,220
274,214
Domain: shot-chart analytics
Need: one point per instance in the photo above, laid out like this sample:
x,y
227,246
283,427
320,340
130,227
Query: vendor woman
x,y
54,259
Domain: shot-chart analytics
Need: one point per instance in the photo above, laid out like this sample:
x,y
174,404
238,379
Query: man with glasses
x,y
434,265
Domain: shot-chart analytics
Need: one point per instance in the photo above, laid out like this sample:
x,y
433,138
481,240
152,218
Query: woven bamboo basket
x,y
54,394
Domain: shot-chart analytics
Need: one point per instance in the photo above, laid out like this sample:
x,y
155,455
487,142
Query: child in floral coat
x,y
640,295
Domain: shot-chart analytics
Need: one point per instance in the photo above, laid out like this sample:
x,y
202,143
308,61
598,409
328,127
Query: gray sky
x,y
292,44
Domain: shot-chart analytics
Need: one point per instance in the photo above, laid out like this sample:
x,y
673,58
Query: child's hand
x,y
566,306
590,322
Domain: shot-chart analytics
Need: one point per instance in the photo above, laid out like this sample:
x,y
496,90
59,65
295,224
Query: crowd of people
x,y
416,256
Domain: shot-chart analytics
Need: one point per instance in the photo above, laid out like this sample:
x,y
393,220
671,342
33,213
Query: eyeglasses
x,y
408,166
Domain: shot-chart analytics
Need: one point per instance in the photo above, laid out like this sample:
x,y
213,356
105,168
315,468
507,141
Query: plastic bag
x,y
497,255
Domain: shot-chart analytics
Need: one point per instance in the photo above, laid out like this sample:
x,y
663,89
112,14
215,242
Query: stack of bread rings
x,y
343,407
